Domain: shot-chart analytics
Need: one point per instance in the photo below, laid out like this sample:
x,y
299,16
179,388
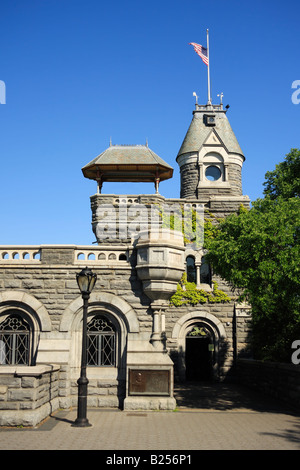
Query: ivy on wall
x,y
187,293
187,220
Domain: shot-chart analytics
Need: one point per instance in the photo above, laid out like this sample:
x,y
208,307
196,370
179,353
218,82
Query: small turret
x,y
210,158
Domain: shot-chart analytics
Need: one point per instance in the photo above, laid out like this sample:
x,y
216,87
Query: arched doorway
x,y
199,353
213,328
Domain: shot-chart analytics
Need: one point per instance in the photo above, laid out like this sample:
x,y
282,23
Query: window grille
x,y
14,340
198,331
101,342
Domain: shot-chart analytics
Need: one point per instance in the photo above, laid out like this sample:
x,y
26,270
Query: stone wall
x,y
235,178
118,220
190,187
189,174
28,395
52,278
278,380
40,281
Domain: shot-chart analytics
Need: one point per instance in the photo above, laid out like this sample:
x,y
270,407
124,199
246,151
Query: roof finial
x,y
221,98
110,144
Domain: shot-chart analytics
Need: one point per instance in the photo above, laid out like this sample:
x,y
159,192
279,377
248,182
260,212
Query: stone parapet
x,y
28,394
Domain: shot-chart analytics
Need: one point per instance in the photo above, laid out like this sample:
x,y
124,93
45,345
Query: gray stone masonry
x,y
41,282
27,395
118,220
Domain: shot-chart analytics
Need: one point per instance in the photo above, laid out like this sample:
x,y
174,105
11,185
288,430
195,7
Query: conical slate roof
x,y
128,163
198,132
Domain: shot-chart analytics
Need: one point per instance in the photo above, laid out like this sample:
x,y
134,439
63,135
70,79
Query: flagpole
x,y
208,74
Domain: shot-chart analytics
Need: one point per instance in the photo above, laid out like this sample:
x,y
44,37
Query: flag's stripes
x,y
201,51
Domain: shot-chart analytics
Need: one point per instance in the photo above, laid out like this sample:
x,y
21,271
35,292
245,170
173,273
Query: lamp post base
x,y
81,423
81,420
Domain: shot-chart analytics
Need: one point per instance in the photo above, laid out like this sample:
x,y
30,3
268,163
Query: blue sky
x,y
79,72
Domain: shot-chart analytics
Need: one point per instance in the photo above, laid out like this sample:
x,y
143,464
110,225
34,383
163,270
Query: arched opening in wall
x,y
190,269
199,353
106,341
101,342
205,271
106,353
16,338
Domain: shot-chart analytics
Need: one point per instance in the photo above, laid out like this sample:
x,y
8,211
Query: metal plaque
x,y
149,382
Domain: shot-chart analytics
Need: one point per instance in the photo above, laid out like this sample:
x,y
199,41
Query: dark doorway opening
x,y
198,358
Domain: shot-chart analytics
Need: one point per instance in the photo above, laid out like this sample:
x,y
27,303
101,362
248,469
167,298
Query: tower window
x,y
213,173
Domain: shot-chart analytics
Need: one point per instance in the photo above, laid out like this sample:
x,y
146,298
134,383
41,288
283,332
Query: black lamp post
x,y
86,280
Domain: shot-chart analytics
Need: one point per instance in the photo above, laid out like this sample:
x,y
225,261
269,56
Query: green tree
x,y
258,251
284,181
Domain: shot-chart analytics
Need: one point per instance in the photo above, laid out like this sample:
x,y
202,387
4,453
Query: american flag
x,y
201,51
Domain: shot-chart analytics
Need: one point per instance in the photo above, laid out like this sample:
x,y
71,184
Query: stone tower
x,y
210,158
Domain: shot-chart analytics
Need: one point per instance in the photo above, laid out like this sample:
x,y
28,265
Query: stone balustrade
x,y
37,254
20,253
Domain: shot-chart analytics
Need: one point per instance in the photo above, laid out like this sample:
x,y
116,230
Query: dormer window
x,y
210,119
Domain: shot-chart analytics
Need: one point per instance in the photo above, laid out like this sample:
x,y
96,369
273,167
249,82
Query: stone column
x,y
158,336
198,265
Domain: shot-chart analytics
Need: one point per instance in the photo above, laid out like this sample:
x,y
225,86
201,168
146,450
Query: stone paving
x,y
207,418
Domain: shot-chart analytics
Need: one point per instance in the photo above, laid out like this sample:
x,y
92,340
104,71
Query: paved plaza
x,y
207,418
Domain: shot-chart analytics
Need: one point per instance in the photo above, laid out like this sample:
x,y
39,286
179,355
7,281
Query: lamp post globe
x,y
86,280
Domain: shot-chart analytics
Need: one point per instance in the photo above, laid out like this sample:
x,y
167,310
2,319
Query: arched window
x,y
205,272
190,269
15,334
101,342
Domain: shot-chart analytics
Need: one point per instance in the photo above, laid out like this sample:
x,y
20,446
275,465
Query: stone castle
x,y
139,342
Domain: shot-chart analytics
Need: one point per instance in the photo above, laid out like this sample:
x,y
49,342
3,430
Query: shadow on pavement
x,y
224,397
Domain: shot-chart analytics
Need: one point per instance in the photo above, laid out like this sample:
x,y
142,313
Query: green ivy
x,y
188,222
187,293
